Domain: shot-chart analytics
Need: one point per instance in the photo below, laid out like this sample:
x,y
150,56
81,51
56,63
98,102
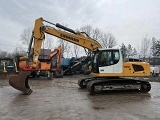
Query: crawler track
x,y
83,82
101,85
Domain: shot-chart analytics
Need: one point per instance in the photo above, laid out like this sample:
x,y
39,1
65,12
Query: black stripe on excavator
x,y
65,28
61,26
137,67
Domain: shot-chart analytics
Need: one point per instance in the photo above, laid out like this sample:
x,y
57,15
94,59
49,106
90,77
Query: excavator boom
x,y
20,82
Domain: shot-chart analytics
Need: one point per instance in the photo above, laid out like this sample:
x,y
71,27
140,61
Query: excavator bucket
x,y
20,82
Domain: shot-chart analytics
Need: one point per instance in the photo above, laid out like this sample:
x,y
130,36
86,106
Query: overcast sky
x,y
128,20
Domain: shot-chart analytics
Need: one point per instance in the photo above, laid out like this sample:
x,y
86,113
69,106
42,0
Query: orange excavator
x,y
56,56
50,66
44,70
110,72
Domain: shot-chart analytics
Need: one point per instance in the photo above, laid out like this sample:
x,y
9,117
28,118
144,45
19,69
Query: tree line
x,y
148,47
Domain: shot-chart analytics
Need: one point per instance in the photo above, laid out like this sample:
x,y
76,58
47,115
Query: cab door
x,y
106,61
95,63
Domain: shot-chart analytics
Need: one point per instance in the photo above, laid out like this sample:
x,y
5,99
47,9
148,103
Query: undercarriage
x,y
94,85
100,85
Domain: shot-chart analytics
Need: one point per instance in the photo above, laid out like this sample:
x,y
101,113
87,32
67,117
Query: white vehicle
x,y
154,71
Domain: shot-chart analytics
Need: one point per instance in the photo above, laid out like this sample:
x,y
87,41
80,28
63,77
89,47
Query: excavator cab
x,y
107,61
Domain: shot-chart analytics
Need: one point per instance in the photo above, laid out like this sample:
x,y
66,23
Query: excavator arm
x,y
66,34
55,51
20,82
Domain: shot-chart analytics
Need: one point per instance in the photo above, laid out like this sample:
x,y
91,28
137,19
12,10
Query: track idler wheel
x,y
80,83
90,88
145,87
20,82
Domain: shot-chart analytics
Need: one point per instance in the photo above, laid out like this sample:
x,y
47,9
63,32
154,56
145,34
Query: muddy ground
x,y
61,99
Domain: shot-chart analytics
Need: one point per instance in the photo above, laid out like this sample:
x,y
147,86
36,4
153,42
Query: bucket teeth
x,y
20,82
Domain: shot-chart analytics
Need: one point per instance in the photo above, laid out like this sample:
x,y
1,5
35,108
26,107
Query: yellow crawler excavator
x,y
110,72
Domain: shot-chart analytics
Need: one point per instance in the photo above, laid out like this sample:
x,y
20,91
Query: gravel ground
x,y
62,99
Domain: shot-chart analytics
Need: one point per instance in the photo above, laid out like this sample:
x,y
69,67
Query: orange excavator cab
x,y
56,57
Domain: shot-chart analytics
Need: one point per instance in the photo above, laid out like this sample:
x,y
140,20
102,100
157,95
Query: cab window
x,y
108,57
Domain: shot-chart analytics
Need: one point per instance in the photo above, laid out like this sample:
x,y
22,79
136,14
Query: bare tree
x,y
87,29
134,52
76,50
66,46
91,32
48,43
96,34
19,51
3,54
108,40
145,47
105,39
25,36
